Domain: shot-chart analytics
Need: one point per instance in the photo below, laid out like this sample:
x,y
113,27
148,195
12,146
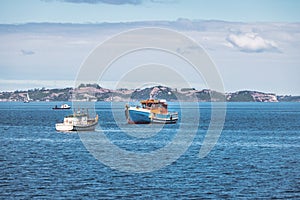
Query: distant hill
x,y
288,98
94,92
251,96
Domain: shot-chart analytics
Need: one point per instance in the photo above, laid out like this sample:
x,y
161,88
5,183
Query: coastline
x,y
93,92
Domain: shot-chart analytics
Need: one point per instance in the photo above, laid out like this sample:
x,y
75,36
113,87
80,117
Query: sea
x,y
256,155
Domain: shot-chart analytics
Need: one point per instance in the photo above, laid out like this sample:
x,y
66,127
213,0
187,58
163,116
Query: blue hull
x,y
139,117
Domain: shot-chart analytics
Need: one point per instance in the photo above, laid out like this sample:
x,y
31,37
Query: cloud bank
x,y
251,42
55,51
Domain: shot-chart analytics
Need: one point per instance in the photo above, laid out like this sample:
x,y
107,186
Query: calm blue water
x,y
257,156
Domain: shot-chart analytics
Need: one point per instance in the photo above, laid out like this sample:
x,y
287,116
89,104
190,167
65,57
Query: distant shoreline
x,y
93,92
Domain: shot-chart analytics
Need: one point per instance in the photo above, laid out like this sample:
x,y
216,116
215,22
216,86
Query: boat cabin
x,y
76,120
156,106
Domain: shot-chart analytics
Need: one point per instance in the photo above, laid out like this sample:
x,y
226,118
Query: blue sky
x,y
95,11
255,45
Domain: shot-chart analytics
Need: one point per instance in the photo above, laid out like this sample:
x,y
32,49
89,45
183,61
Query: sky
x,y
95,11
254,44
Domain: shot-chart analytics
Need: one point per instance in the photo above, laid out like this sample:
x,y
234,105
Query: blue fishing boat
x,y
150,111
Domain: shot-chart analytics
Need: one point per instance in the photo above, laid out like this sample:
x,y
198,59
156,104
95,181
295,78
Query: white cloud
x,y
251,42
27,52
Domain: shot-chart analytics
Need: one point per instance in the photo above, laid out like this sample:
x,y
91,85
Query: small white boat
x,y
150,111
77,122
62,107
27,100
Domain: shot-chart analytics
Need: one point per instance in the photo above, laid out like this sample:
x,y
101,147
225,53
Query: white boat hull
x,y
170,118
77,123
63,127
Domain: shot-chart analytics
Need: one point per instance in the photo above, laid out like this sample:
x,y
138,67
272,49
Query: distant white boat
x,y
27,100
77,122
62,107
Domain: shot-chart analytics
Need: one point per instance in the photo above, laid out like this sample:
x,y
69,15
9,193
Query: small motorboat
x,y
150,111
62,107
77,122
